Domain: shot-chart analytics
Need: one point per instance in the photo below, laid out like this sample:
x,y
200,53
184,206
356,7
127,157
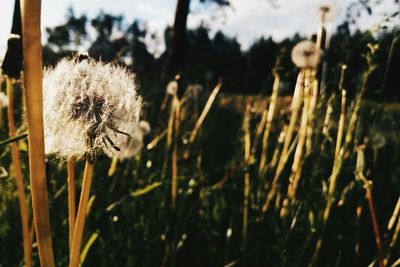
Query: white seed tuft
x,y
91,109
305,55
328,10
3,100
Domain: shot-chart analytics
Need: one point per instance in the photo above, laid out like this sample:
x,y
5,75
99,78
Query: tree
x,y
179,32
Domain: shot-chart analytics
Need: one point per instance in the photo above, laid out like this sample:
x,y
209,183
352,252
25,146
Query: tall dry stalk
x,y
19,179
342,112
81,215
71,198
204,113
268,124
288,138
246,190
32,50
395,215
311,112
378,240
172,145
338,163
298,156
392,221
360,167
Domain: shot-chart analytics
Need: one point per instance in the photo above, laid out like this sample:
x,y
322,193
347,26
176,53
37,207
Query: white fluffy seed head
x,y
305,55
172,88
328,10
91,109
3,100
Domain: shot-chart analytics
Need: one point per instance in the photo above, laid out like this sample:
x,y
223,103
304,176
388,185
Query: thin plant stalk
x,y
204,113
342,113
322,44
246,191
268,125
393,241
174,187
288,138
338,163
395,215
71,198
298,155
311,113
33,74
23,206
327,119
368,196
81,215
13,139
113,166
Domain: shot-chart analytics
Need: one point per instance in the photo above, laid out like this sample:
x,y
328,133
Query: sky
x,y
247,20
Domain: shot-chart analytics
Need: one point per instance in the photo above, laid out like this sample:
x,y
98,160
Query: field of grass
x,y
217,218
219,180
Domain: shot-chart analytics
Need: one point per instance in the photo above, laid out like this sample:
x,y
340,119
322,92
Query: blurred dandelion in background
x,y
3,100
328,10
305,54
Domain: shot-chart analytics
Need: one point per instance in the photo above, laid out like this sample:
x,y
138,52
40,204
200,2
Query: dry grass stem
x,y
32,51
19,179
268,126
71,198
81,215
246,190
298,156
288,138
342,113
204,113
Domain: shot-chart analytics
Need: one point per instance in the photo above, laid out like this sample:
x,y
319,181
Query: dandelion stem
x,y
204,113
342,113
174,187
23,207
268,125
246,191
395,215
71,198
81,215
368,195
288,138
298,156
311,113
338,163
32,51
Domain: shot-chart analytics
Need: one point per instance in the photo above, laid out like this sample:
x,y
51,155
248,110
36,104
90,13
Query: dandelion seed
x,y
91,109
3,100
304,55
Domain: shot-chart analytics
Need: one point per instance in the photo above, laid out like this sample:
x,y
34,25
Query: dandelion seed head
x,y
3,100
305,55
172,88
91,109
328,10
